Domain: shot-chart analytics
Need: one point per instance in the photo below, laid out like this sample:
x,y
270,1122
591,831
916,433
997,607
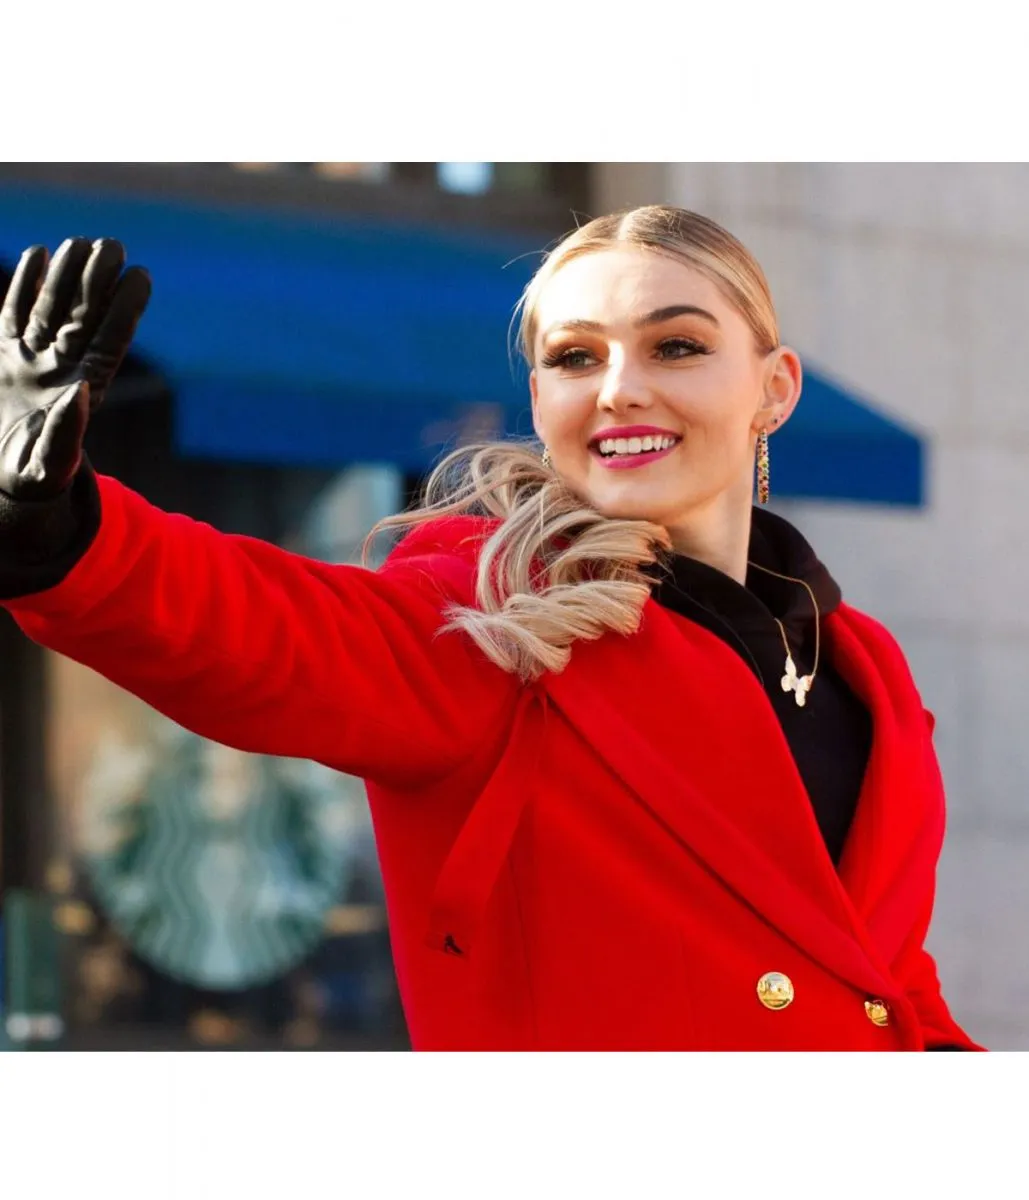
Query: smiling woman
x,y
655,373
640,779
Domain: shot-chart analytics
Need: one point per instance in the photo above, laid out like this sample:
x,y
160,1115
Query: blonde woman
x,y
641,780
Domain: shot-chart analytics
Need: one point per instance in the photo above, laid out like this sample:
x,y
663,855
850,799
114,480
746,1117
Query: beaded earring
x,y
762,467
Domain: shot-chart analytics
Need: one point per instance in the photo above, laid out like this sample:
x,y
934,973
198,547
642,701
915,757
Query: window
x,y
206,897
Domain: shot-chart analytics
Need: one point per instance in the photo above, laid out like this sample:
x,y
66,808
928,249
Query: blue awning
x,y
293,338
837,446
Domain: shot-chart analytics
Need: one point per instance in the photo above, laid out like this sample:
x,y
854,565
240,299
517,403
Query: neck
x,y
718,536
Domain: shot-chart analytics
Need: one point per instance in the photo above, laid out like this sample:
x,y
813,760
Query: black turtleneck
x,y
831,736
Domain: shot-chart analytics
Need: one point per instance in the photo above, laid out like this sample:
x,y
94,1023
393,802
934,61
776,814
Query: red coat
x,y
608,860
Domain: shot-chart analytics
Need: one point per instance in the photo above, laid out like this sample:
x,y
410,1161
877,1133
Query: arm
x,y
232,638
265,650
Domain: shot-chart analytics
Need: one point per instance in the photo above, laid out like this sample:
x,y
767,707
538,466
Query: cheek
x,y
563,409
719,403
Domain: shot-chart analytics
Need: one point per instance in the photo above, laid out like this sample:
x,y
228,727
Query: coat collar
x,y
776,545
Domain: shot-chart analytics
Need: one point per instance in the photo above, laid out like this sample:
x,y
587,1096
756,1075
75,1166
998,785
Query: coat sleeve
x,y
916,971
267,651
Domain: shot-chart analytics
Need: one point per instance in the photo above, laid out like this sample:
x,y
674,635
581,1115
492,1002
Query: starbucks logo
x,y
219,867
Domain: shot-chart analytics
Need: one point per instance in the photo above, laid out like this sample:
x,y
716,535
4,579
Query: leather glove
x,y
64,331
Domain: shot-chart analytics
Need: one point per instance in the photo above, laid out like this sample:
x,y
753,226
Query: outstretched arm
x,y
235,639
268,651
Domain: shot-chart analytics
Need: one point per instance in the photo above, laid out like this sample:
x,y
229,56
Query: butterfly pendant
x,y
800,685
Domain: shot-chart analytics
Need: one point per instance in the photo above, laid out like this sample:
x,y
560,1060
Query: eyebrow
x,y
652,318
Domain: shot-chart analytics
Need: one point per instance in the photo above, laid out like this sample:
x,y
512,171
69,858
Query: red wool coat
x,y
611,859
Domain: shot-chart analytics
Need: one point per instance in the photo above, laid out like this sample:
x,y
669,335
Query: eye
x,y
680,347
574,358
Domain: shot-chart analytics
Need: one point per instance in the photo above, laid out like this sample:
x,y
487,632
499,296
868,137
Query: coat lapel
x,y
686,726
889,862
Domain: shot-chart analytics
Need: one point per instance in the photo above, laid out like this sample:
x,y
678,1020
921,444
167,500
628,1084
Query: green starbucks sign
x,y
219,867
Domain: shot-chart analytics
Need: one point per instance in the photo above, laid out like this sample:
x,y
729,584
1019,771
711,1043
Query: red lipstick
x,y
629,431
629,460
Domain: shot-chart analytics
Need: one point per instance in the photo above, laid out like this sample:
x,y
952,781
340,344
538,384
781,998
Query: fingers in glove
x,y
22,292
58,451
98,283
40,454
112,340
57,294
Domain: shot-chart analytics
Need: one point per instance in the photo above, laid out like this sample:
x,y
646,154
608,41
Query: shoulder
x,y
886,654
868,629
442,554
459,537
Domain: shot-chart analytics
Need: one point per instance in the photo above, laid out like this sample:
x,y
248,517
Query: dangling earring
x,y
762,467
545,460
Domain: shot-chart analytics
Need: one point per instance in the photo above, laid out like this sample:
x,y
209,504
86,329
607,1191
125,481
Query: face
x,y
649,388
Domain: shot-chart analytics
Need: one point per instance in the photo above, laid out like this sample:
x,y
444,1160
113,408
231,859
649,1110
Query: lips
x,y
632,447
627,446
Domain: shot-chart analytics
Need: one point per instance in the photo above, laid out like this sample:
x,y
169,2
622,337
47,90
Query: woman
x,y
640,779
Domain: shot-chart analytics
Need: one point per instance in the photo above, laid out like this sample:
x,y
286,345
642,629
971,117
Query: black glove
x,y
60,345
62,338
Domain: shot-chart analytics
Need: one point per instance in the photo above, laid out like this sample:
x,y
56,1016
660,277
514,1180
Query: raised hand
x,y
64,331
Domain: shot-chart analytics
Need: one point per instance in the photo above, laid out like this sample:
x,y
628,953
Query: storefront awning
x,y
292,338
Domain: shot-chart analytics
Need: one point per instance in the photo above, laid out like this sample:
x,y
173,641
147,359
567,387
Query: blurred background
x,y
319,334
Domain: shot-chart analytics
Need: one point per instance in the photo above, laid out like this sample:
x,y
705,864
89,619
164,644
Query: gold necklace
x,y
791,682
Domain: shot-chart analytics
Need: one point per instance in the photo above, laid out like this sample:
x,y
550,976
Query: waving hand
x,y
64,329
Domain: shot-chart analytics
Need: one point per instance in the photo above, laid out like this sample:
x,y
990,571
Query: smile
x,y
633,447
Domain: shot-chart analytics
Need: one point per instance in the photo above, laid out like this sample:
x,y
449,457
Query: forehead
x,y
617,285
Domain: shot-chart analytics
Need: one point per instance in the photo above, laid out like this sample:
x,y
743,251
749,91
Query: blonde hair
x,y
555,571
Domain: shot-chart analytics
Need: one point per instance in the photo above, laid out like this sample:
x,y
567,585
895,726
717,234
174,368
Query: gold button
x,y
775,990
877,1012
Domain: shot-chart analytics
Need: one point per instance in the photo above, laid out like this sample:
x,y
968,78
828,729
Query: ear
x,y
782,384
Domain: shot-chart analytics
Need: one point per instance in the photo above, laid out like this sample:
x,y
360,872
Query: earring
x,y
762,467
546,457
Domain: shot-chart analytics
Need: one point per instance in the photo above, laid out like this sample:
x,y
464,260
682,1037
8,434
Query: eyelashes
x,y
692,347
669,350
564,358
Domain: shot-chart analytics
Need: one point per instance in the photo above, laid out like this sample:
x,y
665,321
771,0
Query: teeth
x,y
636,445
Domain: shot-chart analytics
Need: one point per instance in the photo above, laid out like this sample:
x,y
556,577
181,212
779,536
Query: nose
x,y
623,387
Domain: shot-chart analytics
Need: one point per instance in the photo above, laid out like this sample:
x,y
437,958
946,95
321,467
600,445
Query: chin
x,y
627,507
